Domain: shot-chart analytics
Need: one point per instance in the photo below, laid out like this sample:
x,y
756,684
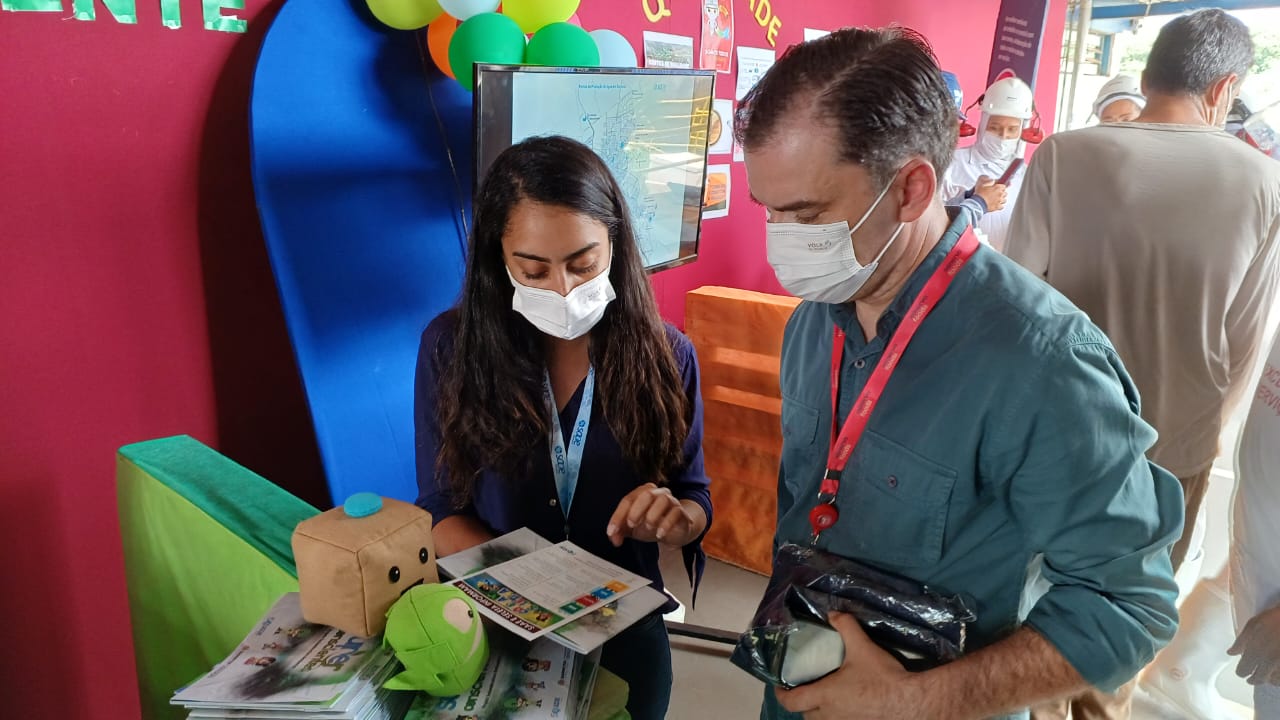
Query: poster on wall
x,y
811,34
717,36
715,201
753,63
1019,37
720,136
667,51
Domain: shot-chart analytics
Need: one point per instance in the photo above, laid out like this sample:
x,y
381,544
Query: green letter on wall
x,y
215,20
124,11
171,13
31,5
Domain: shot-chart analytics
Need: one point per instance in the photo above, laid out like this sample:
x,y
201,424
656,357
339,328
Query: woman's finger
x,y
662,504
676,520
617,520
642,500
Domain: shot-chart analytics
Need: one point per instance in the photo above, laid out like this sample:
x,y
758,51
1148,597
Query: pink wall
x,y
732,248
138,302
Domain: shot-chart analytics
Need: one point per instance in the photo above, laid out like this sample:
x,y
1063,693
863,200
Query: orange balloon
x,y
439,35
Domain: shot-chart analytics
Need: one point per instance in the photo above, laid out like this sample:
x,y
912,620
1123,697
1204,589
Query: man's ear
x,y
1221,90
919,187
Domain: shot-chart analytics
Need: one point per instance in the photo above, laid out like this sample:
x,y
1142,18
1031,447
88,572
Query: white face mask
x,y
564,316
994,147
817,262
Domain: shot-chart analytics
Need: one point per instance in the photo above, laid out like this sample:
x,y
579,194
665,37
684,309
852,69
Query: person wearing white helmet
x,y
1006,108
1120,100
986,195
1166,232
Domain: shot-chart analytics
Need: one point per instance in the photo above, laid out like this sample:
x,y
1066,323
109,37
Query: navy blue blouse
x,y
506,504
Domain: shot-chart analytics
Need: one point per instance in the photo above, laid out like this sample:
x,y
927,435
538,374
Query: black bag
x,y
790,642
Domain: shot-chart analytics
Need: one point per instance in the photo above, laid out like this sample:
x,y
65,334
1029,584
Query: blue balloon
x,y
615,51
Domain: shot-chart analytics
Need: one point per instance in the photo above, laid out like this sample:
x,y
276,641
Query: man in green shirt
x,y
1005,459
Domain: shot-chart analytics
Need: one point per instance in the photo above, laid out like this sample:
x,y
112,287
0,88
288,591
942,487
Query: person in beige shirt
x,y
1164,230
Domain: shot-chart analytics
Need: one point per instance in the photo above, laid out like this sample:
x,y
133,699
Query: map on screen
x,y
645,127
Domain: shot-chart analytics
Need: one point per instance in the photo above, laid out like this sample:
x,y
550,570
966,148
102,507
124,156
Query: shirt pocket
x,y
893,505
799,423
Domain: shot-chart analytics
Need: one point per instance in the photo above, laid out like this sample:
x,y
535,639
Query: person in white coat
x,y
984,195
1120,100
1185,675
1006,108
1255,562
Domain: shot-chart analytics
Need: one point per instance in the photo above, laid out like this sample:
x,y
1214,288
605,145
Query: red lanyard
x,y
825,514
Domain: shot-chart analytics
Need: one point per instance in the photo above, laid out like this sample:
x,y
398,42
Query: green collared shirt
x,y
1004,463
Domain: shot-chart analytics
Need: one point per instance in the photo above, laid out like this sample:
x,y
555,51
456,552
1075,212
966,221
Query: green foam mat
x,y
207,551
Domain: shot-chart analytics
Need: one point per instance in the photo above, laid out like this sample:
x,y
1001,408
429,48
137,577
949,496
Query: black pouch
x,y
790,642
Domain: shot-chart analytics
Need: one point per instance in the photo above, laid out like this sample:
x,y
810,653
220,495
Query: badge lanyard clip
x,y
825,513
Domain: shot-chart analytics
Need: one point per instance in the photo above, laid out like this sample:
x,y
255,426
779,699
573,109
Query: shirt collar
x,y
844,314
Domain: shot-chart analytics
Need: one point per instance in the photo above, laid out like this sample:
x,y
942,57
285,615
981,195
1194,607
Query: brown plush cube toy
x,y
355,561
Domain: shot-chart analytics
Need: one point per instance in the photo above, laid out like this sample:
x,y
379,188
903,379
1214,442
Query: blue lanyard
x,y
567,462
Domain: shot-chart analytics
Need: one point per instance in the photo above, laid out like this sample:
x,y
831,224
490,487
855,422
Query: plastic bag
x,y
790,643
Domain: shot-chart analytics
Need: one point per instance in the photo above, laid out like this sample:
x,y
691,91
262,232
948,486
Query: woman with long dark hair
x,y
556,350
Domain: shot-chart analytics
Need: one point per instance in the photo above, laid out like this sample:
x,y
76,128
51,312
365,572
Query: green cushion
x,y
207,551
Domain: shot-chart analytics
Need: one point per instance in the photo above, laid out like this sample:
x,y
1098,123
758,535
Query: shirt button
x,y
860,364
893,481
553,502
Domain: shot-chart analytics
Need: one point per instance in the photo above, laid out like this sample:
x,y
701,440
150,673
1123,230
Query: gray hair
x,y
1197,50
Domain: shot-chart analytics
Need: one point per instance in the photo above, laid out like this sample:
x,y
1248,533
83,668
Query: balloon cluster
x,y
461,33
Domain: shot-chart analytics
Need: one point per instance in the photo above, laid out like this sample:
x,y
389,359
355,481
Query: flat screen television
x,y
649,125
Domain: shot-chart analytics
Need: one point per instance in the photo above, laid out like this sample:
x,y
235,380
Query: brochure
x,y
584,631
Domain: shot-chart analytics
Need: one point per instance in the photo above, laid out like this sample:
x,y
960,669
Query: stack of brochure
x,y
289,669
522,681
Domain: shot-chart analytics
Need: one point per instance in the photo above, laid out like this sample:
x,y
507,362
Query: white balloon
x,y
615,51
464,9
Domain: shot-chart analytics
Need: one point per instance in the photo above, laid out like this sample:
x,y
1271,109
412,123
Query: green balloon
x,y
564,45
405,14
484,38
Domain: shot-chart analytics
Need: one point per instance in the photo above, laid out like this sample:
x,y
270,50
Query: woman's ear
x,y
919,187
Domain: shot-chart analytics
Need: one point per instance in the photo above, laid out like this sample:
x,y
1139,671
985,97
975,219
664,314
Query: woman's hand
x,y
652,514
995,196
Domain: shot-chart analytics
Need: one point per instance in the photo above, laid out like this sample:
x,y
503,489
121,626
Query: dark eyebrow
x,y
799,205
794,206
568,258
579,253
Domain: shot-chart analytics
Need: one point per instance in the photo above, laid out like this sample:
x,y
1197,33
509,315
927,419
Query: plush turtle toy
x,y
437,634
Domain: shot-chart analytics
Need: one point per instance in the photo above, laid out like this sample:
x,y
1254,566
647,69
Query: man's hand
x,y
651,514
870,685
995,196
1259,649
